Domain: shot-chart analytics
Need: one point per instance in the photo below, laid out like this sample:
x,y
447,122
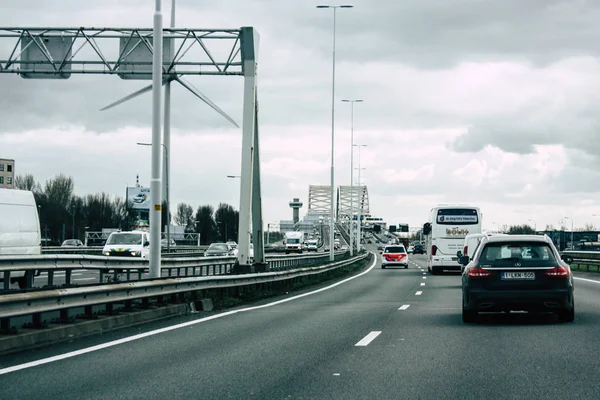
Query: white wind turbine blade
x,y
205,99
137,93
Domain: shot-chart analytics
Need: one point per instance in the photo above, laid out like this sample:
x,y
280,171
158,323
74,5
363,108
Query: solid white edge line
x,y
587,280
173,327
419,293
404,307
368,339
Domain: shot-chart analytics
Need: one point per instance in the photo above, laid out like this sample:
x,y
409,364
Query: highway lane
x,y
416,346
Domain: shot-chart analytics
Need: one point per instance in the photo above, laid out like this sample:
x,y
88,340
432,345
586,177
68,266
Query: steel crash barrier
x,y
97,250
587,258
36,303
45,268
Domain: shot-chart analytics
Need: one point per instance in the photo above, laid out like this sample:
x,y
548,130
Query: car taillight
x,y
558,272
478,273
433,250
465,251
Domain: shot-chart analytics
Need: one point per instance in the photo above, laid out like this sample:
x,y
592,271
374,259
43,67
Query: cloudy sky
x,y
492,103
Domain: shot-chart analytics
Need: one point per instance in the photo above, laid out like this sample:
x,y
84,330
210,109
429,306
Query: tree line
x,y
64,215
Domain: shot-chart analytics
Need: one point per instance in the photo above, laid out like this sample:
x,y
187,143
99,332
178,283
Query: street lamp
x,y
360,199
534,224
352,166
332,214
572,248
233,176
166,153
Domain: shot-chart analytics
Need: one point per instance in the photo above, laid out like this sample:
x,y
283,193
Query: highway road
x,y
386,334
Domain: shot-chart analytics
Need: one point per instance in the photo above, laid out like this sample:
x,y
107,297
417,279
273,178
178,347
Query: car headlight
x,y
107,253
133,253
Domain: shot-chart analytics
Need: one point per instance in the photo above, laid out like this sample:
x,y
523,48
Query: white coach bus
x,y
445,234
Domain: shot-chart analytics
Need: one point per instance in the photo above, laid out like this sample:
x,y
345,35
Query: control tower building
x,y
296,204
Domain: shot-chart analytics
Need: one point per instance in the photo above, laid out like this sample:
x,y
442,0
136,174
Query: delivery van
x,y
20,233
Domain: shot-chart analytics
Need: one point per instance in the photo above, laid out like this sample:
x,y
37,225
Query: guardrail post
x,y
110,309
50,277
5,325
128,274
36,320
68,273
101,276
88,312
64,315
6,283
29,279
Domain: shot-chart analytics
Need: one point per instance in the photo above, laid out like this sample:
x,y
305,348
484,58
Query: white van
x,y
19,228
128,244
472,242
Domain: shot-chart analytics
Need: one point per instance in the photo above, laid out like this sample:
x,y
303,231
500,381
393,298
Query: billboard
x,y
138,198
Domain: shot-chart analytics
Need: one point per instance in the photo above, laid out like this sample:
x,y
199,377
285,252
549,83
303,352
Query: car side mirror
x,y
459,254
146,243
463,260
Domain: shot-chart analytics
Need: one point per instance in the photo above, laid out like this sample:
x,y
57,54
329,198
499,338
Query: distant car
x,y
234,247
517,273
410,249
419,249
163,243
394,255
380,247
312,245
219,250
72,243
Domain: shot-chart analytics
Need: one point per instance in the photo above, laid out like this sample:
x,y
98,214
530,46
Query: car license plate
x,y
518,275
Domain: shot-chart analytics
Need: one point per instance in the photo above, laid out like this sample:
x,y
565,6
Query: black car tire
x,y
406,267
567,315
382,266
468,316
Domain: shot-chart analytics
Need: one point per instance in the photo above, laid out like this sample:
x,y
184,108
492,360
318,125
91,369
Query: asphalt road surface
x,y
387,334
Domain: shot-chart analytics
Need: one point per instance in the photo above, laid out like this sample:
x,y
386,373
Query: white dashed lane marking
x,y
418,293
368,339
404,307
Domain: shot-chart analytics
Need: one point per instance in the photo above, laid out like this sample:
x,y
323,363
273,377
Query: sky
x,y
465,101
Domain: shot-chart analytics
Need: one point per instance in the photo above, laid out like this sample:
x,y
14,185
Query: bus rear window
x,y
457,216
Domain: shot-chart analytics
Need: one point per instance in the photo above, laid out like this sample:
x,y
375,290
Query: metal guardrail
x,y
98,250
587,258
127,269
37,302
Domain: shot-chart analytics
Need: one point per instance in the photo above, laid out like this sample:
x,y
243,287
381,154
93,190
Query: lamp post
x,y
332,214
73,221
572,248
351,101
360,199
166,153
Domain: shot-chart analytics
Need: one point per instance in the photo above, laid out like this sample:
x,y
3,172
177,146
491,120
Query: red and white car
x,y
394,255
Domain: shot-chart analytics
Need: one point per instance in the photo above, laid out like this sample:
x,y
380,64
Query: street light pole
x,y
73,221
352,169
166,153
572,248
360,200
332,213
155,181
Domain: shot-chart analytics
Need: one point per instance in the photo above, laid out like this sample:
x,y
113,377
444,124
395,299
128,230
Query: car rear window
x,y
522,253
395,249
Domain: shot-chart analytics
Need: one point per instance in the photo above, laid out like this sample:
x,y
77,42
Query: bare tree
x,y
185,216
27,182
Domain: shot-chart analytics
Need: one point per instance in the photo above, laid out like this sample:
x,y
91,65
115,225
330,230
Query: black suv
x,y
517,272
419,249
